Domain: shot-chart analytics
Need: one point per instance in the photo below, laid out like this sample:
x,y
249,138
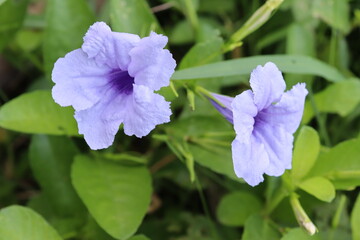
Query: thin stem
x,y
202,91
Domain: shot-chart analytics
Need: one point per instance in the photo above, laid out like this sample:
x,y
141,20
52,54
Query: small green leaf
x,y
299,234
236,207
257,227
117,196
355,219
132,17
340,98
286,63
66,23
306,151
50,159
36,112
340,164
319,187
20,223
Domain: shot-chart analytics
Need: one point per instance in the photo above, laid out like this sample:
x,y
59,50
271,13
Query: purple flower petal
x,y
225,110
100,123
244,111
288,111
278,145
151,65
250,160
145,110
80,82
107,47
267,84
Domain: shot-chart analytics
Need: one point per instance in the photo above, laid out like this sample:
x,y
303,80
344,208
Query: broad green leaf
x,y
12,14
319,187
117,196
355,219
236,207
340,98
66,23
36,112
50,159
19,223
139,237
299,40
286,63
202,53
132,17
306,151
299,234
256,227
333,12
2,1
340,164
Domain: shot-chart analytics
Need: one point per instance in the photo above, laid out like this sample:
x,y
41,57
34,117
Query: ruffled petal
x,y
250,160
225,110
145,110
288,111
100,123
151,65
80,82
107,47
267,84
244,111
278,145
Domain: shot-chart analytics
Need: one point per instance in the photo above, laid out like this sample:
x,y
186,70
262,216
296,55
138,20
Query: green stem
x,y
301,216
203,92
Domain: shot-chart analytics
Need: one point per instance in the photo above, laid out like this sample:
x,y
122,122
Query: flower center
x,y
122,81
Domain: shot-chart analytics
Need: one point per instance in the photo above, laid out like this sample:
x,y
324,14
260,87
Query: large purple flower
x,y
111,80
264,121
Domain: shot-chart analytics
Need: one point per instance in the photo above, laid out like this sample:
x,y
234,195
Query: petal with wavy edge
x,y
151,65
244,111
267,84
100,123
107,47
80,82
146,109
278,145
250,160
288,111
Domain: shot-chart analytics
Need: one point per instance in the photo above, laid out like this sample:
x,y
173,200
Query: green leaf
x,y
50,159
36,112
242,66
340,164
306,151
299,234
235,208
299,40
117,196
333,12
66,23
355,219
258,228
132,17
18,223
202,53
208,141
319,187
340,98
139,237
12,14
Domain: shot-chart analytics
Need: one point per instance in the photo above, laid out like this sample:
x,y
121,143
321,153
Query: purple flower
x,y
264,121
111,80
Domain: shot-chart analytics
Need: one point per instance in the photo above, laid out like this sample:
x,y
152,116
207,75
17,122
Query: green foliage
x,y
18,222
36,112
355,219
257,227
116,195
235,208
